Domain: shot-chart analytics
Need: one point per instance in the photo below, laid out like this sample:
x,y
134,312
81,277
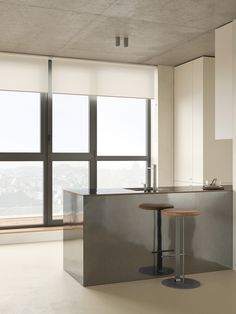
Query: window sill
x,y
26,230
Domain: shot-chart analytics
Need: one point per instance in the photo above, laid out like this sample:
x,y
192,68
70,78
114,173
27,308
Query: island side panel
x,y
73,243
118,235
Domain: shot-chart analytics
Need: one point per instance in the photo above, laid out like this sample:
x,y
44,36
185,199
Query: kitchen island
x,y
107,238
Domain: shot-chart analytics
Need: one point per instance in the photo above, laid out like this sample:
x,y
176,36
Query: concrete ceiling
x,y
160,31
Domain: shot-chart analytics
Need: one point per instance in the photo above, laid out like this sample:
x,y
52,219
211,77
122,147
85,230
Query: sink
x,y
135,189
140,190
213,187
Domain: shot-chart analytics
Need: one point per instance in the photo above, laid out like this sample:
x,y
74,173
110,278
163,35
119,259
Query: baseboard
x,y
31,237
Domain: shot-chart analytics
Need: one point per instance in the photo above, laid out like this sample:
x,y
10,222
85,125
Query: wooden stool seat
x,y
181,212
153,206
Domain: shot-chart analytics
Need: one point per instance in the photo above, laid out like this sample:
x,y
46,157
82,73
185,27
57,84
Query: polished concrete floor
x,y
32,281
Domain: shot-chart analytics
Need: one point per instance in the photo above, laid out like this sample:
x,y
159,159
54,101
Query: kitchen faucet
x,y
148,187
213,182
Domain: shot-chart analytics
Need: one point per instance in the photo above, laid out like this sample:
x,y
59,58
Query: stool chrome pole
x,y
157,268
159,241
154,242
180,282
183,250
177,249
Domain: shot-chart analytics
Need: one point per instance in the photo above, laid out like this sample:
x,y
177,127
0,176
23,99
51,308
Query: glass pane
x,y
121,126
67,174
121,174
21,193
70,123
19,122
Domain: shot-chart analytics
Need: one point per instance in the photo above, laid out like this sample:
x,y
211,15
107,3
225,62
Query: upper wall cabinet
x,y
224,82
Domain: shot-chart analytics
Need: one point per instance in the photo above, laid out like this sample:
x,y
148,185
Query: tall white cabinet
x,y
197,155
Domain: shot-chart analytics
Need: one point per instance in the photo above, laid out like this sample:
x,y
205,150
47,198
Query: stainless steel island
x,y
108,238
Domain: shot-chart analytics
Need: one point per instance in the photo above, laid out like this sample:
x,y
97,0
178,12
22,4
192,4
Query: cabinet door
x,y
183,146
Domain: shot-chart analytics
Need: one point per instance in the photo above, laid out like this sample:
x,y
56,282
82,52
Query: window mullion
x,y
148,141
48,144
93,142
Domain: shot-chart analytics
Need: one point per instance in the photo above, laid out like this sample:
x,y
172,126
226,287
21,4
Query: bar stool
x,y
179,281
157,267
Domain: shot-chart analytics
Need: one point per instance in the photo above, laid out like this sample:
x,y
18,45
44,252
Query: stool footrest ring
x,y
162,251
169,256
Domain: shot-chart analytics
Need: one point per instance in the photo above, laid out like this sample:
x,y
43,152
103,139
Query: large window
x,y
120,174
70,147
67,175
21,160
121,126
21,193
50,143
122,142
70,124
19,122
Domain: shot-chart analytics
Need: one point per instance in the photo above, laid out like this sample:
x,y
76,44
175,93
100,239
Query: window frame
x,y
40,156
47,156
93,145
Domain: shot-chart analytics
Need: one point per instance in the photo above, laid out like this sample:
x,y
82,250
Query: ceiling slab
x,y
152,37
201,46
201,14
79,6
160,31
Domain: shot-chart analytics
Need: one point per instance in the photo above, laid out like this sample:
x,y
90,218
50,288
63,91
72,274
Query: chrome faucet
x,y
154,180
148,187
213,182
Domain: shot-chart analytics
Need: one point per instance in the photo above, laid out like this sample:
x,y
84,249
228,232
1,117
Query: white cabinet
x,y
197,155
224,82
183,114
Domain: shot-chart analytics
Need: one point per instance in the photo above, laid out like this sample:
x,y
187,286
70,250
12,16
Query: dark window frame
x,y
47,156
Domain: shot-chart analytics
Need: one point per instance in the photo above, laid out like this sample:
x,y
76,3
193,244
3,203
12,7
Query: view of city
x,y
120,174
119,133
21,183
21,189
67,174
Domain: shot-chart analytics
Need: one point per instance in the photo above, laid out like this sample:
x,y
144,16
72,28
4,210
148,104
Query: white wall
x,y
234,144
165,125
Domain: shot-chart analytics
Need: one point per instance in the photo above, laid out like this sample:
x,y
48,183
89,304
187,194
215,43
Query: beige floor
x,y
32,281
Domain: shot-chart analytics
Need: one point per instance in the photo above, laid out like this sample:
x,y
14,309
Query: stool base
x,y
188,283
153,271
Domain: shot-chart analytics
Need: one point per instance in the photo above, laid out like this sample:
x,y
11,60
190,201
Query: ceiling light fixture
x,y
117,41
126,41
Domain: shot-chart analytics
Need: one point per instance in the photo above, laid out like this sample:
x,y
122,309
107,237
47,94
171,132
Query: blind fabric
x,y
73,76
102,78
23,73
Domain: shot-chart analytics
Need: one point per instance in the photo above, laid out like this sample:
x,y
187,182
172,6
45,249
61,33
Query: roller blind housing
x,y
72,76
23,73
102,78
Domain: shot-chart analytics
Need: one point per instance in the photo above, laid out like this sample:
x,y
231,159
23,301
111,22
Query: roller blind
x,y
23,73
102,78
